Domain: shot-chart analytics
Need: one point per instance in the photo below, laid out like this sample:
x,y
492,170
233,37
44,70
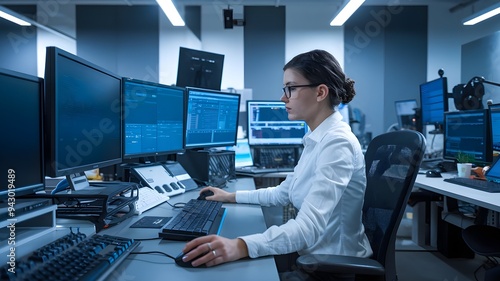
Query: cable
x,y
148,239
177,205
152,252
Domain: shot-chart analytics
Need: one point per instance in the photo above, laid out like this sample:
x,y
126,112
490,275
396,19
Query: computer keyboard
x,y
72,257
483,185
149,198
197,218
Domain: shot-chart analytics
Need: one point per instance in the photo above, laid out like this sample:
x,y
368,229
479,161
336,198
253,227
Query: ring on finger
x,y
213,252
209,246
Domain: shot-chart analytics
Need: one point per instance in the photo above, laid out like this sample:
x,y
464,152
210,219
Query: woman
x,y
327,185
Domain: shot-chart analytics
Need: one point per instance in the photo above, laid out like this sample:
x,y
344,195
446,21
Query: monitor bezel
x,y
488,154
277,144
183,68
126,80
204,146
52,168
40,185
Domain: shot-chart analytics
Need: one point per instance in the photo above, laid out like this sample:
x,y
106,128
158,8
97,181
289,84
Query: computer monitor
x,y
405,112
434,103
82,115
494,117
268,124
153,119
199,69
21,144
467,132
212,118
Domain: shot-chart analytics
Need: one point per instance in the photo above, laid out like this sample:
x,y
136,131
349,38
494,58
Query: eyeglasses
x,y
287,90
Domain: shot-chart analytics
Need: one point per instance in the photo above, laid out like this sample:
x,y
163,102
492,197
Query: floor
x,y
415,264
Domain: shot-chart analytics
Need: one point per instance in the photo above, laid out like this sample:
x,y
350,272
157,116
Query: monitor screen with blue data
x,y
83,115
434,102
468,131
211,118
153,119
21,144
268,124
494,116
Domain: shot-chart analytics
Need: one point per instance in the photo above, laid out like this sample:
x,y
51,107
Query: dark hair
x,y
320,67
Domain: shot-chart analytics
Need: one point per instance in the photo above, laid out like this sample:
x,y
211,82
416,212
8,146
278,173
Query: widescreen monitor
x,y
494,117
21,144
268,124
467,132
199,69
153,119
212,118
405,113
434,103
82,115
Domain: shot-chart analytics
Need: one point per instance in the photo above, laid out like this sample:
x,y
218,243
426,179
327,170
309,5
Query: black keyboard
x,y
72,257
483,185
197,218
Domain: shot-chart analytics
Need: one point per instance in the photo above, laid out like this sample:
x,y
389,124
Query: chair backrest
x,y
392,163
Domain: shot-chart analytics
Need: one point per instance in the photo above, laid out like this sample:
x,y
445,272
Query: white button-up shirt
x,y
327,187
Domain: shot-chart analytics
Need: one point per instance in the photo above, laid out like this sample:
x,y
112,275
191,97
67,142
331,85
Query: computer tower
x,y
209,167
276,156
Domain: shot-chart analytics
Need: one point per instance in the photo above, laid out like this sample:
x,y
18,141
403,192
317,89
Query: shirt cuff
x,y
242,196
254,243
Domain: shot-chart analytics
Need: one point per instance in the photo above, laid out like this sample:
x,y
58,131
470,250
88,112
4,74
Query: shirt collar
x,y
316,135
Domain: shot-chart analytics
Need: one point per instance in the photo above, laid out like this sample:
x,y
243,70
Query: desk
x,y
241,219
490,201
483,199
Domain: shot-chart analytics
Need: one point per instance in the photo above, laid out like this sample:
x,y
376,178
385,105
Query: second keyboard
x,y
197,218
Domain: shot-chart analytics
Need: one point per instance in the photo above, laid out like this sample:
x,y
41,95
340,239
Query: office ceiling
x,y
455,5
237,2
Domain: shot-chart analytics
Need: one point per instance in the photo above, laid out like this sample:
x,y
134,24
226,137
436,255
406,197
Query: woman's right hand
x,y
219,195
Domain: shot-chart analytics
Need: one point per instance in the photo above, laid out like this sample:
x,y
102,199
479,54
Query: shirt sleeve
x,y
271,196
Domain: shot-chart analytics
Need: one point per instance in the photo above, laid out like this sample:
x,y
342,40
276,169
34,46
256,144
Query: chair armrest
x,y
340,264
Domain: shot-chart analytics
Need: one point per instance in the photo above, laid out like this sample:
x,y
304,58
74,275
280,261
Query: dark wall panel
x,y
405,58
386,54
18,50
123,39
264,55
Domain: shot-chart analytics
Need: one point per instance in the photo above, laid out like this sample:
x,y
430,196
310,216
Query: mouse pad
x,y
151,222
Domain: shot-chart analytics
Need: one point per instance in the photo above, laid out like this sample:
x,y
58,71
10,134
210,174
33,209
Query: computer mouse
x,y
433,174
181,263
205,194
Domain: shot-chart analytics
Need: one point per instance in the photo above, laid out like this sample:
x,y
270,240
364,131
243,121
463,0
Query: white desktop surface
x,y
241,219
480,198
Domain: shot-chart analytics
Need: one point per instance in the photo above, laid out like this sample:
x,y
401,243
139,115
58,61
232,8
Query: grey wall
x,y
386,54
482,58
18,48
120,38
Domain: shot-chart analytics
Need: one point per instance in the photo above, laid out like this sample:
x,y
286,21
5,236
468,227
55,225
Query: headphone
x,y
470,95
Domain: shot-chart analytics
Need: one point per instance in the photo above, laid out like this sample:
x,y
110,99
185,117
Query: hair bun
x,y
349,90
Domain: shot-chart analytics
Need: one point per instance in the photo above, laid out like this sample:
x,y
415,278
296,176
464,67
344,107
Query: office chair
x,y
484,240
392,163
